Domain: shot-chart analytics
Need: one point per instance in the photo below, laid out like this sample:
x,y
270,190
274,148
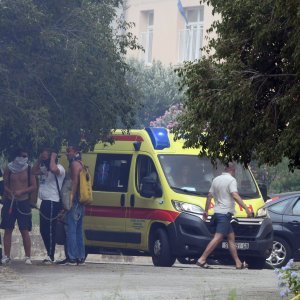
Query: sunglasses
x,y
24,155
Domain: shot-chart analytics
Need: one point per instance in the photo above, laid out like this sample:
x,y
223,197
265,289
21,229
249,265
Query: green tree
x,y
156,87
277,178
62,72
243,99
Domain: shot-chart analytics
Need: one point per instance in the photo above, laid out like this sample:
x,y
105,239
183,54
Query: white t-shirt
x,y
221,189
48,187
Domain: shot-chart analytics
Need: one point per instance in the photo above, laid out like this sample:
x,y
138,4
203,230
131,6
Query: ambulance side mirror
x,y
150,188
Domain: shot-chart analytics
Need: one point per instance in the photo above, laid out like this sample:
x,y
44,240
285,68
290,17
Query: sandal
x,y
203,265
243,266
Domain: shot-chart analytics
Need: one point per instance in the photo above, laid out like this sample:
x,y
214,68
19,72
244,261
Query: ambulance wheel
x,y
86,252
160,249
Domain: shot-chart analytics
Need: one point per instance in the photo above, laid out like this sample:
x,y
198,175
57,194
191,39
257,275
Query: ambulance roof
x,y
150,139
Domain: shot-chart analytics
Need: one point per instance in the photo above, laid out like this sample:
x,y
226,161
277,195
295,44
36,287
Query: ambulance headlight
x,y
187,207
262,213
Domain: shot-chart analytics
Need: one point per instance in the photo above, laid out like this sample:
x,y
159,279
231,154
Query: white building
x,y
163,31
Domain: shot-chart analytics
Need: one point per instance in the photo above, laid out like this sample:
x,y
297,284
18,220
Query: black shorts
x,y
222,223
21,212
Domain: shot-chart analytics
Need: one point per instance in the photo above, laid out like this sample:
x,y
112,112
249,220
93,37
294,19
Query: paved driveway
x,y
134,280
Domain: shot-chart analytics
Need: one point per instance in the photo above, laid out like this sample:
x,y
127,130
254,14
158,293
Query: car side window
x,y
145,168
296,208
112,172
278,207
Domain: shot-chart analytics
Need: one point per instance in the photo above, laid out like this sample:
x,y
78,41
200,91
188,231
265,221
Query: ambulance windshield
x,y
190,173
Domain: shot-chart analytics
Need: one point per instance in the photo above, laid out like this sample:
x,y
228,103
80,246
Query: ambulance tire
x,y
160,249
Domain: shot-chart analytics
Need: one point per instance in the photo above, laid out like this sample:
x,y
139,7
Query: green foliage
x,y
62,72
277,178
155,86
246,93
289,279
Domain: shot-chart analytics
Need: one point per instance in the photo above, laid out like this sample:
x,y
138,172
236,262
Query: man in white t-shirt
x,y
225,193
51,176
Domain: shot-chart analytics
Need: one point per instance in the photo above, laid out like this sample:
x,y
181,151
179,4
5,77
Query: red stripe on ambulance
x,y
130,138
136,213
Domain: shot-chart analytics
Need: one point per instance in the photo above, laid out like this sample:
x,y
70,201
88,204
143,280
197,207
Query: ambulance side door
x,y
104,222
141,209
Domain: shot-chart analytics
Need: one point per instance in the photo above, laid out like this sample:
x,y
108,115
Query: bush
x,y
289,279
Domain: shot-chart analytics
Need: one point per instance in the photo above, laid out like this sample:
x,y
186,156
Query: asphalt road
x,y
135,280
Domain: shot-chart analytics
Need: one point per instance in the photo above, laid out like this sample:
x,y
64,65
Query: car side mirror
x,y
264,191
150,188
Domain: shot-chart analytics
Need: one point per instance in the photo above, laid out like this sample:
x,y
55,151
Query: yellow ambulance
x,y
149,197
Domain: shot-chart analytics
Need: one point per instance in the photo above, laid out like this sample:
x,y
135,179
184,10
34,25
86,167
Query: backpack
x,y
85,186
65,192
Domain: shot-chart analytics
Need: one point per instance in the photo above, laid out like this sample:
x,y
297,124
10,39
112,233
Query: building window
x,y
191,37
147,36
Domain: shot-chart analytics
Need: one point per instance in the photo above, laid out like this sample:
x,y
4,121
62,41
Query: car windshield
x,y
193,174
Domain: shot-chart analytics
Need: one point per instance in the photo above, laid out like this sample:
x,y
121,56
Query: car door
x,y
141,210
104,223
291,220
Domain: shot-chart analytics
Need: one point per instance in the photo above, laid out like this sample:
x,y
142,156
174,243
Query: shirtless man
x,y
16,205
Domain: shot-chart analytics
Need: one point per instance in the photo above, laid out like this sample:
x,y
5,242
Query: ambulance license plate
x,y
239,246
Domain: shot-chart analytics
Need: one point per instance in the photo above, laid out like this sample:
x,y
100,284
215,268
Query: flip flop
x,y
203,265
243,266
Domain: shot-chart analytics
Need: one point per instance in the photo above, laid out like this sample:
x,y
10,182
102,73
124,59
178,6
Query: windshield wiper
x,y
249,196
198,193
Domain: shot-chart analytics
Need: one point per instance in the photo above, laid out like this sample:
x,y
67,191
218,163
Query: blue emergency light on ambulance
x,y
159,137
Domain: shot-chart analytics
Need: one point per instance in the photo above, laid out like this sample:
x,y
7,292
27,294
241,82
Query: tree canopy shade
x,y
243,99
62,71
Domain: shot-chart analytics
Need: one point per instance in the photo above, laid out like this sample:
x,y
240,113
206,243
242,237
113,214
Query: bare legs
x,y
232,249
26,242
218,237
7,242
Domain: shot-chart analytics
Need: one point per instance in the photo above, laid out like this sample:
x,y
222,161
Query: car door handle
x,y
122,200
295,223
132,200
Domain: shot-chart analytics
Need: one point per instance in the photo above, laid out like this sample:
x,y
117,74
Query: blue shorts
x,y
222,223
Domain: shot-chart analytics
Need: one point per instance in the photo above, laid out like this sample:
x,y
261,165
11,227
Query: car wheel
x,y
86,253
185,260
160,249
281,253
